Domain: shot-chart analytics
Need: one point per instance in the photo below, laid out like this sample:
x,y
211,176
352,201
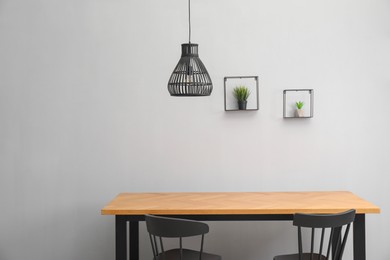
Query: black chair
x,y
334,229
163,227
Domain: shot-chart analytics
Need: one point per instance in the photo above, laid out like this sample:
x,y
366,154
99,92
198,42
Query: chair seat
x,y
174,254
305,256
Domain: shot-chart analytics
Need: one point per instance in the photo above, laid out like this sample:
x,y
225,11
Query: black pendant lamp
x,y
190,77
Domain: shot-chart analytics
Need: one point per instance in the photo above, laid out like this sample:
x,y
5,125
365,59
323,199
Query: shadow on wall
x,y
239,240
252,239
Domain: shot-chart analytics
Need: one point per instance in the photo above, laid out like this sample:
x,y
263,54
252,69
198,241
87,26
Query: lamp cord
x,y
189,21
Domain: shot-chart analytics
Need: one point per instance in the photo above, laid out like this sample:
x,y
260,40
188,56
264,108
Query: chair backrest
x,y
334,229
164,227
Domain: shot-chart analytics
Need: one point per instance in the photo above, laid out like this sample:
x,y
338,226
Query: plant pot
x,y
300,113
242,105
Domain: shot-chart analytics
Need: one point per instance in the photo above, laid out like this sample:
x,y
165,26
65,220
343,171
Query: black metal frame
x,y
256,78
311,92
359,231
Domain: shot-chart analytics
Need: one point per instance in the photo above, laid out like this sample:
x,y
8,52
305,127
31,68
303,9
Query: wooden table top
x,y
201,203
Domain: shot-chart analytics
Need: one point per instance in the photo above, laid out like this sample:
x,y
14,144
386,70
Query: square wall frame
x,y
252,82
291,96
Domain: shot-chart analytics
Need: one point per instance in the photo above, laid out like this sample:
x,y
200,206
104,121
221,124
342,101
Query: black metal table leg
x,y
134,240
359,237
120,238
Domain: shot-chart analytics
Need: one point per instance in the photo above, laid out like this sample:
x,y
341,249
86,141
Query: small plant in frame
x,y
241,93
300,111
299,104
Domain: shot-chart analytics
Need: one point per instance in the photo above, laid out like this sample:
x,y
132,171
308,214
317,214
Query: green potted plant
x,y
241,93
300,111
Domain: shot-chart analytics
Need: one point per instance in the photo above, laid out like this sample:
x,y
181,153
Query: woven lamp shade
x,y
190,77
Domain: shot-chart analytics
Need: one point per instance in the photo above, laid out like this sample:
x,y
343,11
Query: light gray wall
x,y
85,114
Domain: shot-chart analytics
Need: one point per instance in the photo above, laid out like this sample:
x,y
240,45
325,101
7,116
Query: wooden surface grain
x,y
198,203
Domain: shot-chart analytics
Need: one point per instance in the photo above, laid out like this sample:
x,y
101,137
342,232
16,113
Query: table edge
x,y
236,212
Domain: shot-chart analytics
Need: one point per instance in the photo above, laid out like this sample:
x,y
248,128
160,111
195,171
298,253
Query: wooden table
x,y
238,206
